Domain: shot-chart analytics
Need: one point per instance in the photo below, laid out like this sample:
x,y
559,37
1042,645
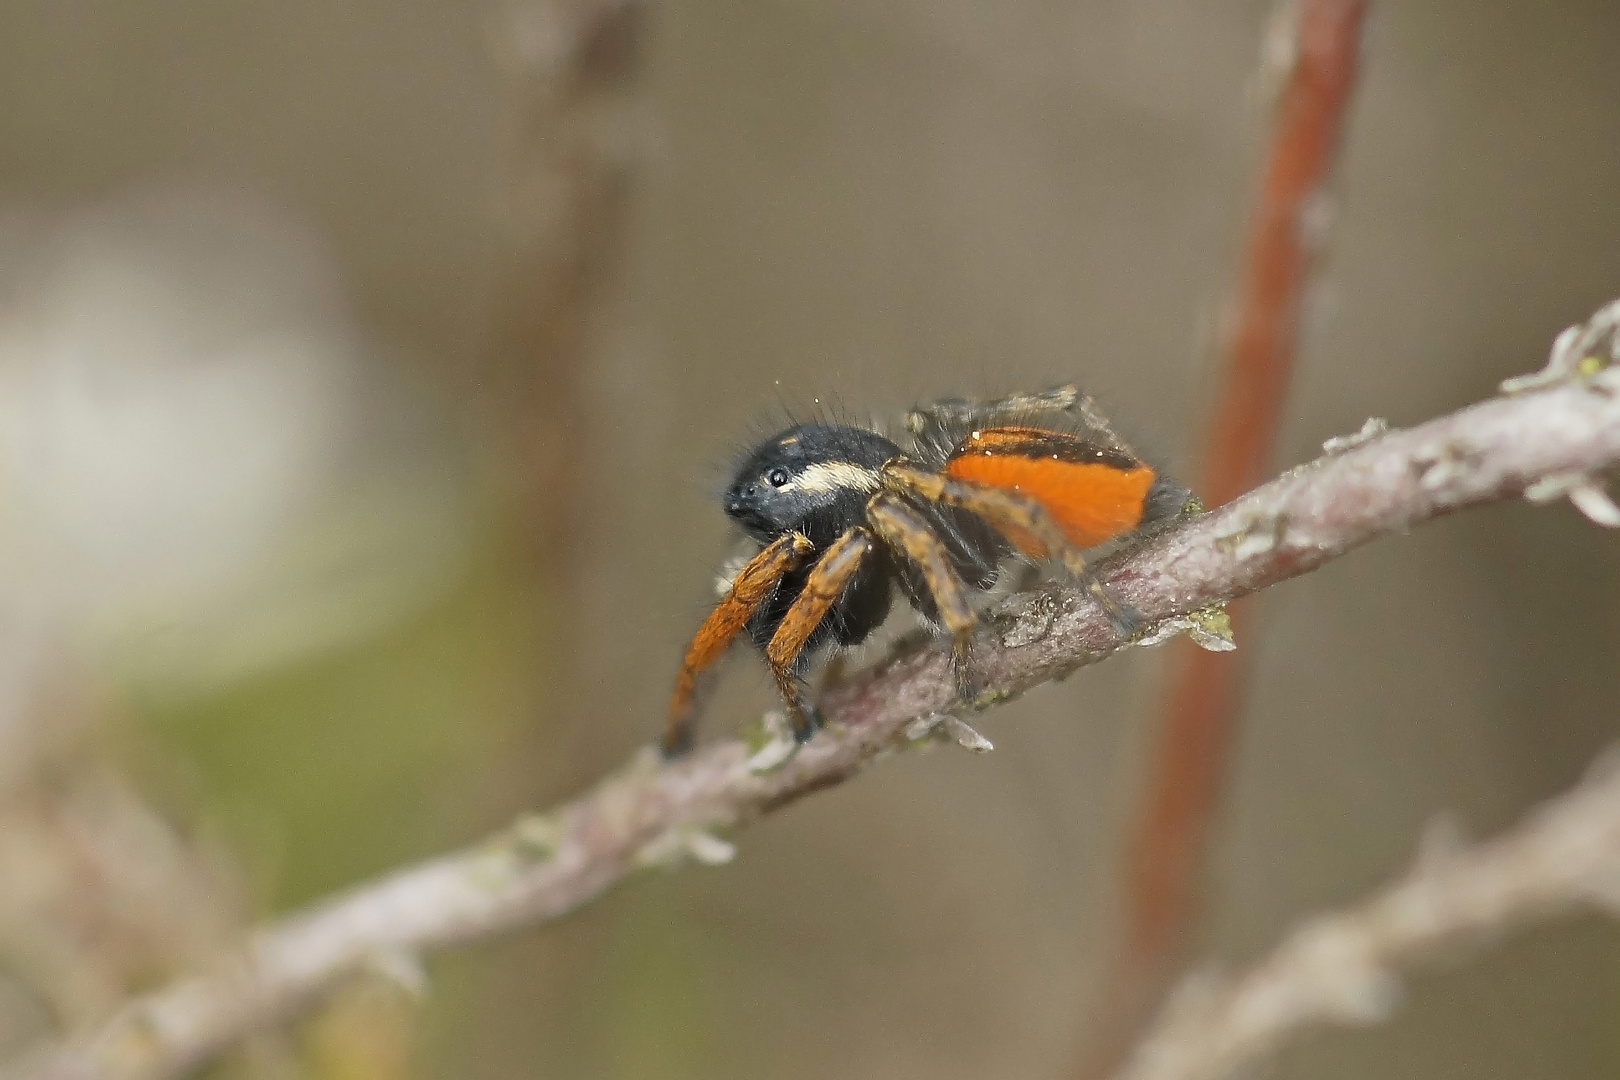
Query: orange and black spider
x,y
843,516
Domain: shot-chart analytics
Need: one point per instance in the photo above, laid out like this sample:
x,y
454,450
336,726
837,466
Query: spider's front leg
x,y
826,583
753,584
1022,520
905,530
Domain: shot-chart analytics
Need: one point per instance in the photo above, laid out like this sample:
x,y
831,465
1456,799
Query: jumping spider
x,y
843,516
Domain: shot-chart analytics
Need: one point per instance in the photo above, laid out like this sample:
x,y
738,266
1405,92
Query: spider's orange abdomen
x,y
1093,493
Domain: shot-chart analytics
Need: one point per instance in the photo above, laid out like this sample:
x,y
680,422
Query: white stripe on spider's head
x,y
827,476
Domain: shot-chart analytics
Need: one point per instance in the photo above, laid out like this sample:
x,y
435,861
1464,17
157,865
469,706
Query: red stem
x,y
1166,854
1261,352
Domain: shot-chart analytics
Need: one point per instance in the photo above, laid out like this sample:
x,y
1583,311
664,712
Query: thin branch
x,y
1288,230
650,813
568,152
1320,43
1343,969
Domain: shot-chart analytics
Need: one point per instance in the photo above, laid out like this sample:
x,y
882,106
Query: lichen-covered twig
x,y
548,864
1343,969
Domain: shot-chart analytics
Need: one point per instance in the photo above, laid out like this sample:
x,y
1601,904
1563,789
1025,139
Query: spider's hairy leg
x,y
821,591
1020,518
957,411
753,584
905,530
1023,520
939,426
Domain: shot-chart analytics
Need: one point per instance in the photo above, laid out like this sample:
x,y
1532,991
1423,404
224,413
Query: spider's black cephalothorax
x,y
843,516
816,480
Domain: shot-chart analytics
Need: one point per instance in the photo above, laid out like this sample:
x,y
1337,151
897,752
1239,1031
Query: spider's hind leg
x,y
963,411
938,427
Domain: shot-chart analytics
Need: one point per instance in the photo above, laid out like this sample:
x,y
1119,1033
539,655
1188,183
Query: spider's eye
x,y
777,476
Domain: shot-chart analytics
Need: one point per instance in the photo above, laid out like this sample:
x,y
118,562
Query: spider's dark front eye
x,y
777,476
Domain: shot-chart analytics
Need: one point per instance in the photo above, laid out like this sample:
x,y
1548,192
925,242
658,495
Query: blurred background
x,y
367,372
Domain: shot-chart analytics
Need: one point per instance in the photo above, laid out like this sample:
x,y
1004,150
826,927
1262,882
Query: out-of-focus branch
x,y
568,68
1288,229
1317,44
1343,969
99,894
548,864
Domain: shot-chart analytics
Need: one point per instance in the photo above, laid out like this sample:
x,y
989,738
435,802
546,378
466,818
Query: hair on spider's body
x,y
844,517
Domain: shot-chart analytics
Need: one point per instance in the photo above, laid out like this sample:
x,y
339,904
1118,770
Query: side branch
x,y
1342,969
548,864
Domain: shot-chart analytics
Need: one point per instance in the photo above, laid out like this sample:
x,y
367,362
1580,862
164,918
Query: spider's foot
x,y
807,720
675,744
1125,620
967,683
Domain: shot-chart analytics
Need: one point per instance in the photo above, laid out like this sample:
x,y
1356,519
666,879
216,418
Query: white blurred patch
x,y
202,472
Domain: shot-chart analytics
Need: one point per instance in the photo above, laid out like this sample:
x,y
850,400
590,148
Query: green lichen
x,y
993,696
1214,622
757,735
1256,537
536,837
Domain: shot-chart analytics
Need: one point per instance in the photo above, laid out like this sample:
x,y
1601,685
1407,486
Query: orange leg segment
x,y
753,584
821,591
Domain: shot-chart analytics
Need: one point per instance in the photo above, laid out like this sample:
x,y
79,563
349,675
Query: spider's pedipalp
x,y
752,585
907,532
832,572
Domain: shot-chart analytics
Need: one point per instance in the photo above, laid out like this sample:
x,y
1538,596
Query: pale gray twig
x,y
548,864
1343,969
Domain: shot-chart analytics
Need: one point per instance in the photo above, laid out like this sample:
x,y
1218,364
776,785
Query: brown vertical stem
x,y
567,67
1165,855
